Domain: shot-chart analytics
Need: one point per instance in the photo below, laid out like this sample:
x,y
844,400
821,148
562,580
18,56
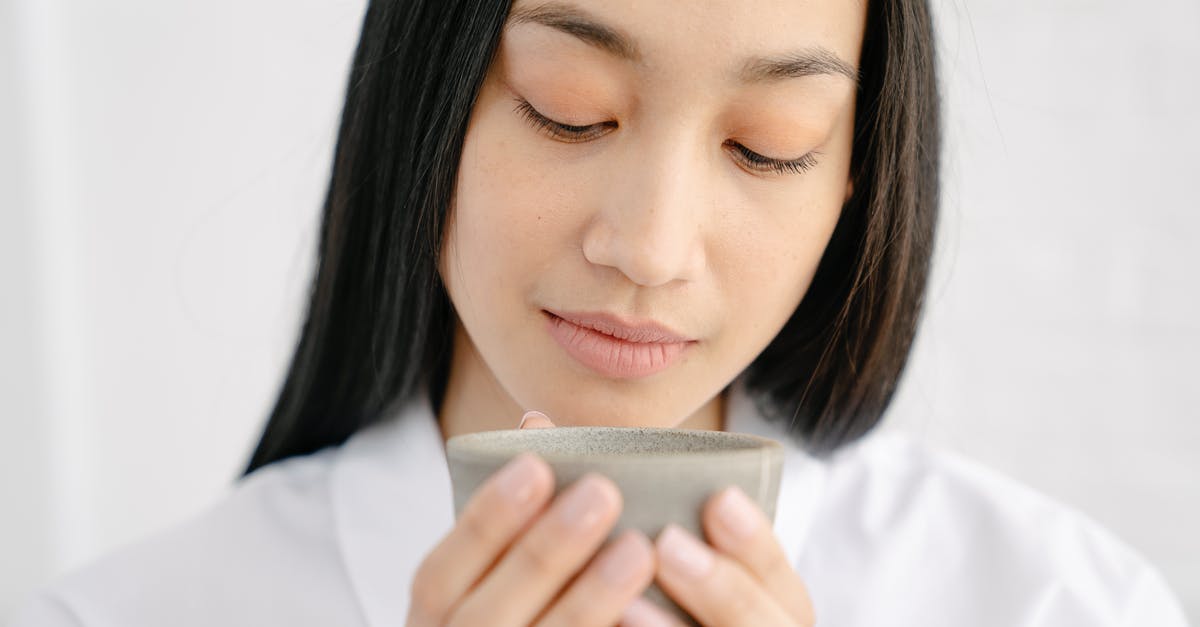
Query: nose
x,y
650,225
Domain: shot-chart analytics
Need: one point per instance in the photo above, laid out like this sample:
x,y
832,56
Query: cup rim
x,y
470,447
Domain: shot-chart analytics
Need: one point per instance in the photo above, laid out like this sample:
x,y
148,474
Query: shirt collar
x,y
392,499
392,503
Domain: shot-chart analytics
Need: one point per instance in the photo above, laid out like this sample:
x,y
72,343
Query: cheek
x,y
772,256
768,257
504,225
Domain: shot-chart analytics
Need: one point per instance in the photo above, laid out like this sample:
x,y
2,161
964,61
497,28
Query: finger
x,y
643,613
736,526
713,588
535,420
618,574
502,506
539,564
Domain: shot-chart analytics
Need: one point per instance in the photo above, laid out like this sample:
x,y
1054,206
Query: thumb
x,y
535,420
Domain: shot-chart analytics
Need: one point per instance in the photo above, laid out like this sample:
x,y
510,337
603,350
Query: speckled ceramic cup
x,y
665,475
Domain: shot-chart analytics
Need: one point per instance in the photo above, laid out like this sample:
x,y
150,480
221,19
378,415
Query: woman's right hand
x,y
518,557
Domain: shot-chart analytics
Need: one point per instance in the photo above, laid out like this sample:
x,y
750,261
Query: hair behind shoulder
x,y
379,322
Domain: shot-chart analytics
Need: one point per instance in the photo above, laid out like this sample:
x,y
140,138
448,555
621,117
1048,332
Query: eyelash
x,y
576,134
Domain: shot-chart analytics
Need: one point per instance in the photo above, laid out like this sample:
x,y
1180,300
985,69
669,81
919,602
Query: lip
x,y
635,331
614,347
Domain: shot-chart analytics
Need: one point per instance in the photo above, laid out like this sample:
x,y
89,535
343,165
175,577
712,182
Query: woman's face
x,y
658,202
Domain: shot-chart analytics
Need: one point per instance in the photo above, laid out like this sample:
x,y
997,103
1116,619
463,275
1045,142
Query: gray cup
x,y
665,475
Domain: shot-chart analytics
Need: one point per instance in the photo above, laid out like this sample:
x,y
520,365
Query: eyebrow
x,y
811,61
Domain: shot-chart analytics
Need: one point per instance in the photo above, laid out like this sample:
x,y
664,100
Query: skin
x,y
652,214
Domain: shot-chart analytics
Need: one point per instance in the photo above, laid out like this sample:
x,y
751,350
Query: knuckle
x,y
478,528
730,600
737,606
538,560
801,604
472,617
598,591
586,614
775,566
569,614
425,598
582,605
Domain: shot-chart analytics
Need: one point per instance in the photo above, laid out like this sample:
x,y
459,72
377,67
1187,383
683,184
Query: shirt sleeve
x,y
45,610
1151,602
1144,601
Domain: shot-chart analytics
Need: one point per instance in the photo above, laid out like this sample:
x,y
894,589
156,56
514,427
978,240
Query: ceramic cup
x,y
665,475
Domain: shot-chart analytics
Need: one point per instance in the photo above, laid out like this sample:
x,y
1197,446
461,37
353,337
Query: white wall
x,y
157,232
1064,317
24,445
162,164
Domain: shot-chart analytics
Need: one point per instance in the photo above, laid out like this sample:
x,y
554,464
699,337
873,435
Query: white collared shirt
x,y
887,532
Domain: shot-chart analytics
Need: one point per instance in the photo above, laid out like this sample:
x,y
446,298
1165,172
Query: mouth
x,y
614,348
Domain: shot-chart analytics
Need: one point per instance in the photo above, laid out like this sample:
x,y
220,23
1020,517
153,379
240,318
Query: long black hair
x,y
379,323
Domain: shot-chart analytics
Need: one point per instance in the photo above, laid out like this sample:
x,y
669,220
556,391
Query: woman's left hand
x,y
742,578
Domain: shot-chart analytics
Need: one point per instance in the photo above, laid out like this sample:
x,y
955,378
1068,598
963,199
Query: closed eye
x,y
577,134
564,132
782,166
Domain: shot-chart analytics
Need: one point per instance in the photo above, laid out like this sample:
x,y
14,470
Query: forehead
x,y
760,42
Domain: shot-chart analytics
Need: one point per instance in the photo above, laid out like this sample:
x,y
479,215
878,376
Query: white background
x,y
162,166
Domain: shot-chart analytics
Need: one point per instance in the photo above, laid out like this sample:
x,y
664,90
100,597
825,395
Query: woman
x,y
709,215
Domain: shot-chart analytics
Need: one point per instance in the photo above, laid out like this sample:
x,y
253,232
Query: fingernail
x,y
620,562
736,512
517,479
643,613
682,552
584,502
532,414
